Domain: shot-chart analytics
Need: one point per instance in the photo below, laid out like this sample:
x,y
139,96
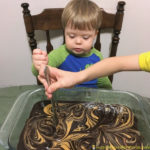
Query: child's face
x,y
79,41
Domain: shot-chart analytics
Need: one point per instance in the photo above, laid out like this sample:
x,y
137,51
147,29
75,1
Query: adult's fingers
x,y
43,81
53,87
49,95
41,71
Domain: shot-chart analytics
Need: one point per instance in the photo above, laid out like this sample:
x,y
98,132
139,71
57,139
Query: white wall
x,y
15,56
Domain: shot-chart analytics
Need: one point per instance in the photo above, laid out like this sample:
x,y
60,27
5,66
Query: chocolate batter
x,y
81,126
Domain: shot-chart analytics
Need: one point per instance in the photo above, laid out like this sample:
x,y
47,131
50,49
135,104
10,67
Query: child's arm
x,y
39,57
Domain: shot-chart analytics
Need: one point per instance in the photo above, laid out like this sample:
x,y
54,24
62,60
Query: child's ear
x,y
96,32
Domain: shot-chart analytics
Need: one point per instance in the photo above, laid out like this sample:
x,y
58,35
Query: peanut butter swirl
x,y
81,125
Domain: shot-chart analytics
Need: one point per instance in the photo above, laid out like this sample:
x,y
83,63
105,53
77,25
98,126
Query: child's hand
x,y
39,57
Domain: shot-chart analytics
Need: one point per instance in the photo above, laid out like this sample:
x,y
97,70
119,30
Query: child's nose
x,y
78,40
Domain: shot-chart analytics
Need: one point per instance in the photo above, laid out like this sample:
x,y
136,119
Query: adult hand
x,y
58,79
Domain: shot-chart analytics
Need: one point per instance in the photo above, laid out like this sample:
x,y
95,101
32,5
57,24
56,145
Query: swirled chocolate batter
x,y
80,126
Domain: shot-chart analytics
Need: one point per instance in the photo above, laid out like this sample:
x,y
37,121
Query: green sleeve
x,y
57,56
98,53
34,71
103,82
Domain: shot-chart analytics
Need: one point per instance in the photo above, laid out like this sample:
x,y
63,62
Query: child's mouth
x,y
78,50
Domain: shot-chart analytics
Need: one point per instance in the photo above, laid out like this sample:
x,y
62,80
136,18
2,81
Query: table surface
x,y
8,96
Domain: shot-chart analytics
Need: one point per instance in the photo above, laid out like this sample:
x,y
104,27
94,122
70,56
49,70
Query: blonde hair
x,y
82,14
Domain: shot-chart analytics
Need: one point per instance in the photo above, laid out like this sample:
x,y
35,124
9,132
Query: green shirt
x,y
63,59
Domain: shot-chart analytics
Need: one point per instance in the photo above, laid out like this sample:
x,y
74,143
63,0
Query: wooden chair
x,y
50,19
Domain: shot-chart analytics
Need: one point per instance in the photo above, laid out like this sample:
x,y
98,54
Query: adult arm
x,y
108,66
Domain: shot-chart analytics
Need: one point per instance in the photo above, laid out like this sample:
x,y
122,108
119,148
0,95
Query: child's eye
x,y
71,36
85,37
